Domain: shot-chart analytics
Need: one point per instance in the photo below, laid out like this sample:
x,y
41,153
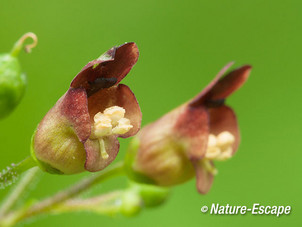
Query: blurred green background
x,y
183,44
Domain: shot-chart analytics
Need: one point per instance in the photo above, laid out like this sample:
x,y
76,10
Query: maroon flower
x,y
80,132
186,141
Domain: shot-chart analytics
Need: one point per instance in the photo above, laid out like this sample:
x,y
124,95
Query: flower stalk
x,y
9,175
107,204
50,203
19,190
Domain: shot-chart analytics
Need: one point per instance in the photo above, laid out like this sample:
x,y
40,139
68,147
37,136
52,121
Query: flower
x,y
80,132
187,140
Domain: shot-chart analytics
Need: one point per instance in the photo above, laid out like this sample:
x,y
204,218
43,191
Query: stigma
x,y
111,122
220,146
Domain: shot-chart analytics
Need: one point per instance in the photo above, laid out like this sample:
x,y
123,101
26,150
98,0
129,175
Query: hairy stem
x,y
107,204
11,173
18,190
51,202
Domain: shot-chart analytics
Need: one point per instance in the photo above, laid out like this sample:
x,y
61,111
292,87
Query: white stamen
x,y
110,122
115,113
225,155
220,146
212,141
213,153
225,139
102,126
123,126
209,167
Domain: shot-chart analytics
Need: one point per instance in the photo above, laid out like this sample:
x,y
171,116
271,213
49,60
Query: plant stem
x,y
107,204
11,173
18,190
51,202
25,164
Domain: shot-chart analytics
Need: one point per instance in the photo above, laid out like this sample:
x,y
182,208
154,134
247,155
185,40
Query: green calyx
x,y
42,165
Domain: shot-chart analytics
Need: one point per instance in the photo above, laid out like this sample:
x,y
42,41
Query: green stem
x,y
18,190
26,164
11,173
51,202
107,204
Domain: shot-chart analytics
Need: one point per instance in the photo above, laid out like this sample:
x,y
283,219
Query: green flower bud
x,y
151,195
12,80
138,196
131,203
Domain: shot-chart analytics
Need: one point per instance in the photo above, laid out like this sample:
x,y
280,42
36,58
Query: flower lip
x,y
108,70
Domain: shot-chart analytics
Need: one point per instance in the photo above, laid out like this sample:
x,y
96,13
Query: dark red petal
x,y
204,178
107,70
192,128
224,119
74,106
94,161
203,95
119,95
230,83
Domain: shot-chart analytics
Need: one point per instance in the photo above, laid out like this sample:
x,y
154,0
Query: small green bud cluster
x,y
138,196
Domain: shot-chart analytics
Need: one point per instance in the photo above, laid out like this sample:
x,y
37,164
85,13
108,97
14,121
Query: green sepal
x,y
42,165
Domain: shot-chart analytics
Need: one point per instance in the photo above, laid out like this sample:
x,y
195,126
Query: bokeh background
x,y
183,44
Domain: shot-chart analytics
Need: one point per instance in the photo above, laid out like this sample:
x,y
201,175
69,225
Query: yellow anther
x,y
213,153
212,141
225,139
102,125
226,154
123,126
110,122
220,146
115,113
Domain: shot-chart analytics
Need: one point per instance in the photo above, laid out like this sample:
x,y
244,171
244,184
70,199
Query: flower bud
x,y
131,203
12,80
151,195
138,196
